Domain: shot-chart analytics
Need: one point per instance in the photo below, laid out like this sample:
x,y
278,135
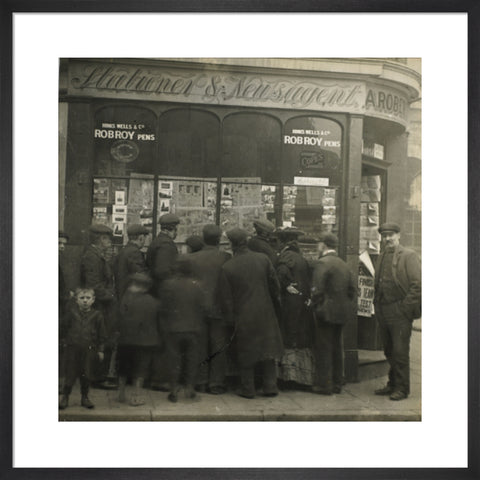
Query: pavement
x,y
357,402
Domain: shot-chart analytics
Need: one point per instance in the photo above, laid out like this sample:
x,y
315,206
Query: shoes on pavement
x,y
136,401
244,394
216,390
387,390
172,397
337,390
321,391
270,394
398,395
63,402
86,402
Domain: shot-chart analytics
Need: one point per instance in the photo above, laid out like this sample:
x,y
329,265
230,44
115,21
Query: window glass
x,y
251,147
124,141
189,144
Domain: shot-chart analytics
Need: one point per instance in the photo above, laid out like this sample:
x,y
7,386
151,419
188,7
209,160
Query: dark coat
x,y
206,267
96,273
333,290
261,244
83,329
249,290
183,305
407,274
139,317
161,256
128,261
295,322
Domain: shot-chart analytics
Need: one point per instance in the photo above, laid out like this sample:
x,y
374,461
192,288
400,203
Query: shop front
x,y
229,144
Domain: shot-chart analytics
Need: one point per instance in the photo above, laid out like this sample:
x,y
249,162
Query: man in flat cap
x,y
260,242
249,290
333,295
161,258
130,259
206,266
96,273
398,290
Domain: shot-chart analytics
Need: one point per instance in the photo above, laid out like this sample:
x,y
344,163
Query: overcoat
x,y
407,274
261,244
161,256
249,291
139,322
128,261
206,266
333,290
295,320
96,273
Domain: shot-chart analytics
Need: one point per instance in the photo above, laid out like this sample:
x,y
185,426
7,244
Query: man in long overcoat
x,y
162,255
249,290
130,259
398,290
206,266
333,295
96,273
260,242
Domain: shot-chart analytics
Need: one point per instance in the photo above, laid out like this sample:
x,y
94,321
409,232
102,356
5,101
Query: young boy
x,y
82,331
183,310
140,336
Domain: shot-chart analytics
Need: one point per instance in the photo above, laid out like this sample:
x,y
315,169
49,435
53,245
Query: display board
x,y
118,203
370,214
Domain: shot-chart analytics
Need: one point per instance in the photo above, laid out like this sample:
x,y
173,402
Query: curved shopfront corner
x,y
300,143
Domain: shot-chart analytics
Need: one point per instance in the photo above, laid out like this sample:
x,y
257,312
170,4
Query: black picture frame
x,y
472,7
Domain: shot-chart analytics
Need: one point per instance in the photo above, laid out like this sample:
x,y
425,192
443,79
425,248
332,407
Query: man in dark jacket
x,y
161,257
398,291
333,294
249,290
96,273
206,267
261,241
130,259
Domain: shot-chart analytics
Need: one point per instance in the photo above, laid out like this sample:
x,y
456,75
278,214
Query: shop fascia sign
x,y
222,88
387,103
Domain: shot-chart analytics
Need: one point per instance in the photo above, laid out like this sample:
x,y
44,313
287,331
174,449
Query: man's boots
x,y
86,402
63,402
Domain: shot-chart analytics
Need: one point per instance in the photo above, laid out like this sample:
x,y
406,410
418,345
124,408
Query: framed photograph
x,y
307,65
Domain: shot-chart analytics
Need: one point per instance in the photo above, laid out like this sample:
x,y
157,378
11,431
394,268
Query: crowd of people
x,y
210,320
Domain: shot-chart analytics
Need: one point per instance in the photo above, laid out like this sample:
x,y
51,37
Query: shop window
x,y
124,141
189,144
251,147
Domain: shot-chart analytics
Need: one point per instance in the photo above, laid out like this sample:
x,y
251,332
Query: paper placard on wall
x,y
312,181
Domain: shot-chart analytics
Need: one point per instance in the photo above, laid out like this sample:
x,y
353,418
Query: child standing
x,y
83,335
183,312
140,336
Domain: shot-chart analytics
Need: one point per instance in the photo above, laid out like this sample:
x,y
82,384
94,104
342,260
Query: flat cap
x,y
212,231
100,229
389,227
62,234
142,278
264,225
195,242
329,239
137,229
237,236
288,232
169,219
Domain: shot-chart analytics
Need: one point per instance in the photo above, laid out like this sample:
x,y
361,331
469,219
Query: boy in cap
x,y
333,295
398,291
82,333
96,273
194,243
249,292
261,241
206,267
183,310
139,335
130,259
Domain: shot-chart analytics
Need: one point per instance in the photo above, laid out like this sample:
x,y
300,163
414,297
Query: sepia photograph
x,y
231,304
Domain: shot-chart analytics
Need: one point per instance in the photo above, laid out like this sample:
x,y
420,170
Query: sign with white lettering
x,y
313,181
